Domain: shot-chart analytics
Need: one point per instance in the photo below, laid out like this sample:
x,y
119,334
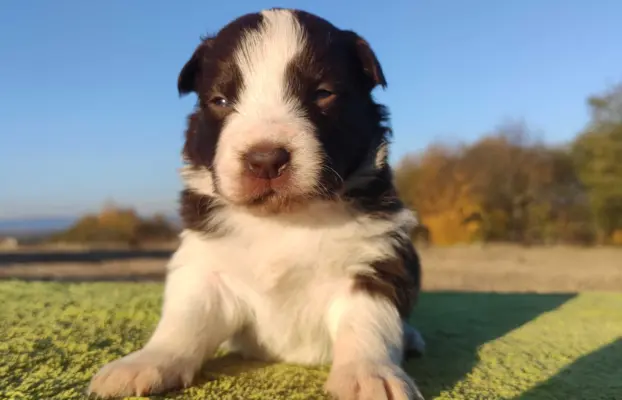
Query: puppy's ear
x,y
367,59
188,77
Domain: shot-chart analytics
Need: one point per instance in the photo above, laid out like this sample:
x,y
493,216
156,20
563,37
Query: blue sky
x,y
89,109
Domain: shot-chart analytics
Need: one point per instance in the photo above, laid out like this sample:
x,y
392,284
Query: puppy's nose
x,y
266,162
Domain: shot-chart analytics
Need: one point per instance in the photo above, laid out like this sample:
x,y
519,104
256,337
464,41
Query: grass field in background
x,y
54,336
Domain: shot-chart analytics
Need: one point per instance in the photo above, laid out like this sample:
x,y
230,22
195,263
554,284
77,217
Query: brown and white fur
x,y
296,247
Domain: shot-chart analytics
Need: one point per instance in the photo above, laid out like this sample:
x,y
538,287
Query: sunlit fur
x,y
323,283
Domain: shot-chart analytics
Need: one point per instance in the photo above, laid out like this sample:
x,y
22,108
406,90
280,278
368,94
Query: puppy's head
x,y
285,112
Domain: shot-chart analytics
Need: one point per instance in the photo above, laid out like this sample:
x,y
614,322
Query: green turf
x,y
53,337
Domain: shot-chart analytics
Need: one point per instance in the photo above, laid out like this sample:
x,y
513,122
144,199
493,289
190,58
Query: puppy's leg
x,y
368,345
199,313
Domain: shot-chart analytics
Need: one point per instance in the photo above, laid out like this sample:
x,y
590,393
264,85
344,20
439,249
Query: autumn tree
x,y
506,186
433,184
597,154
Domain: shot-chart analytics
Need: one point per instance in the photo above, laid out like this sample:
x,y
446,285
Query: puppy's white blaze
x,y
265,112
263,57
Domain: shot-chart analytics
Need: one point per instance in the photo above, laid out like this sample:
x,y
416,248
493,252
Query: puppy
x,y
296,247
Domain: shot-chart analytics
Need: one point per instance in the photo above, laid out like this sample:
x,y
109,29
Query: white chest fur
x,y
287,272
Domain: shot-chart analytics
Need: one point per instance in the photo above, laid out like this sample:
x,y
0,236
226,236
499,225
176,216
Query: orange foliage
x,y
616,237
440,191
500,188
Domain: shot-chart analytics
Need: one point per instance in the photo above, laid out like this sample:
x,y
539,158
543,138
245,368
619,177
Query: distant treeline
x,y
510,187
118,225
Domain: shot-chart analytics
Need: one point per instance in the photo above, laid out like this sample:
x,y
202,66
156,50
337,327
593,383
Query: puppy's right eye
x,y
219,101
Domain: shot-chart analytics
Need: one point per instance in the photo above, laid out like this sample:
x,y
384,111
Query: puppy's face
x,y
285,110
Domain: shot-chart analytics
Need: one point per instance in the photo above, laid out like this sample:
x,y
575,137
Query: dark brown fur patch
x,y
397,278
378,197
197,210
352,123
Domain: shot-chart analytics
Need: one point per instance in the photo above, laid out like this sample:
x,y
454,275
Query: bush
x,y
118,225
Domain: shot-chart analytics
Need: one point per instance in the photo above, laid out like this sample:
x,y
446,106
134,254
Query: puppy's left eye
x,y
323,96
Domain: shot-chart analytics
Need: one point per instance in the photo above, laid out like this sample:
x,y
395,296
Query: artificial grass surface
x,y
54,336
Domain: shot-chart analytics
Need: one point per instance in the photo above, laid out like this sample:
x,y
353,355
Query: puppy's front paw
x,y
142,373
366,380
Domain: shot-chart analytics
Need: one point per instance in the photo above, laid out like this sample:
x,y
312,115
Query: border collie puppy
x,y
296,247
